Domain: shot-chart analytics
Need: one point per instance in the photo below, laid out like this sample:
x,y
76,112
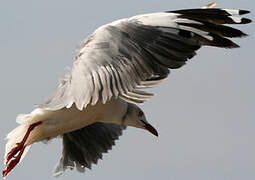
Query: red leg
x,y
18,150
13,162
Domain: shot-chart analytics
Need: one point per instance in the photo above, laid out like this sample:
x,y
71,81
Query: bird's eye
x,y
140,114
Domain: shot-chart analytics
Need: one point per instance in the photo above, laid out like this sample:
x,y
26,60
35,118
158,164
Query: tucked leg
x,y
13,157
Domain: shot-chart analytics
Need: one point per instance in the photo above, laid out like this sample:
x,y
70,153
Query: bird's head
x,y
135,117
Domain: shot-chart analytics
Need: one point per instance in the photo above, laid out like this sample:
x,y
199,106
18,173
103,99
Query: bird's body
x,y
97,99
65,120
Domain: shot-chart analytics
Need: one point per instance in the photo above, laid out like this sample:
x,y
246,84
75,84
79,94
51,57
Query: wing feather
x,y
134,53
84,147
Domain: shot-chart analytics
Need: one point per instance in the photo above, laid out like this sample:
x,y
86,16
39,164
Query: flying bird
x,y
97,99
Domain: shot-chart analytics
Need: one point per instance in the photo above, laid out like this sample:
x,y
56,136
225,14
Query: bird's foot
x,y
14,156
14,159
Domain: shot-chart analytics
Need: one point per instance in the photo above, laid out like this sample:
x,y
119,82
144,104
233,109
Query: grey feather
x,y
126,55
83,147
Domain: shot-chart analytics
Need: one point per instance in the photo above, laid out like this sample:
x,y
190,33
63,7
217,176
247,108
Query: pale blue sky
x,y
204,112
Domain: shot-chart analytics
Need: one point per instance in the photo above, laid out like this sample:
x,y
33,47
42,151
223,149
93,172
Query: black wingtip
x,y
244,35
245,21
241,12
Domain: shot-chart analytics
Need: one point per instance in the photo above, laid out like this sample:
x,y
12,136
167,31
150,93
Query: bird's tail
x,y
16,147
17,134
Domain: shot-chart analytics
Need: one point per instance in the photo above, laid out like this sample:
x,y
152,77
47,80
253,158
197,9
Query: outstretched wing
x,y
83,147
122,57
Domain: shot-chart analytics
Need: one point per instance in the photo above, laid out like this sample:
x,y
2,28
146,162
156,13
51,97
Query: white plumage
x,y
97,99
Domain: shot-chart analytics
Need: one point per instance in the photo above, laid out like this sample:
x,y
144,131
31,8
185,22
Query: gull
x,y
98,98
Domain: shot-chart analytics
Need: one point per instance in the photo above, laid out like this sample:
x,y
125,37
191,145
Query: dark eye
x,y
140,114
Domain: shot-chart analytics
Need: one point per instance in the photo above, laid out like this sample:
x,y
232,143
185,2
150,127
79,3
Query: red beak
x,y
150,128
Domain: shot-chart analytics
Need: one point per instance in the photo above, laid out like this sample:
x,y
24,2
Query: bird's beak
x,y
150,128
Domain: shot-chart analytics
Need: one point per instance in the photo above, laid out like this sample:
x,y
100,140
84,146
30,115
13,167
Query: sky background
x,y
204,112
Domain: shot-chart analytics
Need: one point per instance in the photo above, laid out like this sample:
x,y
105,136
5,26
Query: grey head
x,y
135,117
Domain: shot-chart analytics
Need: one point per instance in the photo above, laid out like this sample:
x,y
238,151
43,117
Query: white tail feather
x,y
20,139
17,134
